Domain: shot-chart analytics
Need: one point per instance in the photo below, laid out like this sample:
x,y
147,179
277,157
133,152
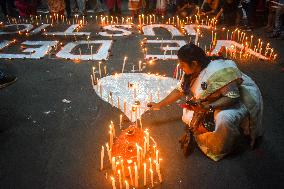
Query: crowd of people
x,y
240,13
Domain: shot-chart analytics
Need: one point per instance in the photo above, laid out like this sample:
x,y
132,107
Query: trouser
x,y
7,7
80,3
68,8
278,20
220,142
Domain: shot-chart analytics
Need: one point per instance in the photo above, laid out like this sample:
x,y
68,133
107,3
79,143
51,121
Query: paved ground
x,y
61,149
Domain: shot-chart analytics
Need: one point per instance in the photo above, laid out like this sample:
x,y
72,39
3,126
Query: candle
x,y
196,37
120,121
113,164
113,129
122,168
126,185
140,122
147,139
110,138
140,63
101,90
100,71
130,175
124,106
105,69
159,172
150,161
152,177
136,176
124,61
145,175
157,156
102,158
145,147
138,155
113,183
118,103
119,178
109,152
92,80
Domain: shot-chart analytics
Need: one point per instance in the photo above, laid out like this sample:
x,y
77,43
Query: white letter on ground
x,y
100,54
169,55
149,29
34,53
116,28
69,31
27,28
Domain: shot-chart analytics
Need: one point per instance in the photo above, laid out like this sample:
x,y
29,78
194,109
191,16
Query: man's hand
x,y
153,106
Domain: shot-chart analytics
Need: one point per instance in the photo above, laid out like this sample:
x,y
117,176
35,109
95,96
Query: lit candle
x,y
126,185
120,121
113,183
140,65
113,129
124,61
110,138
109,152
130,175
138,155
196,37
122,168
152,177
159,172
150,161
157,156
113,164
145,147
120,180
228,34
118,103
92,80
102,158
136,176
145,175
100,71
101,90
124,106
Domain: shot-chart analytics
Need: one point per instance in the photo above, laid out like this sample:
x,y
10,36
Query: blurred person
x,y
8,8
114,6
134,6
56,6
278,25
161,7
186,8
210,7
26,7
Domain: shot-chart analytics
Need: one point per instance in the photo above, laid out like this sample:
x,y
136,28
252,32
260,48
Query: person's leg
x,y
3,7
277,25
219,143
82,6
6,79
68,8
